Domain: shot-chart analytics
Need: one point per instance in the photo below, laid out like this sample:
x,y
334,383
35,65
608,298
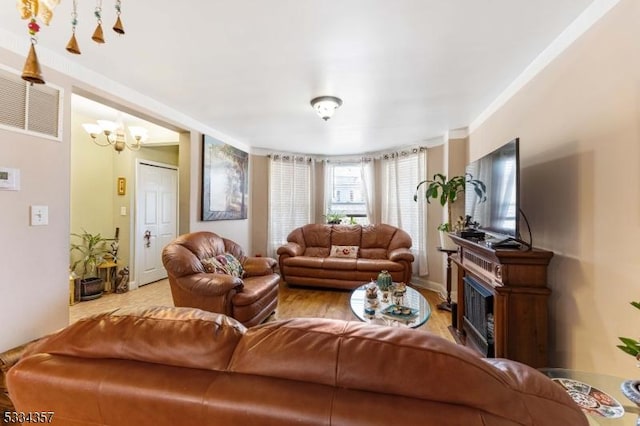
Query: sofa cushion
x,y
344,251
305,261
340,263
377,236
182,337
317,240
346,235
377,265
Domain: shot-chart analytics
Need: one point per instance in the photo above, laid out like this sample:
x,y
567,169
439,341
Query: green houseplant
x,y
334,218
631,388
86,255
631,346
447,191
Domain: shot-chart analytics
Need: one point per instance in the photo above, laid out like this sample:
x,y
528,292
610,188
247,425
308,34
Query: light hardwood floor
x,y
293,302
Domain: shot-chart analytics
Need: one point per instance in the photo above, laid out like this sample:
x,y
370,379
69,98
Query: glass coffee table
x,y
383,314
599,396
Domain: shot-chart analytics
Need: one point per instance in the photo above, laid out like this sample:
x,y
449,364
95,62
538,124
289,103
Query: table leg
x,y
446,306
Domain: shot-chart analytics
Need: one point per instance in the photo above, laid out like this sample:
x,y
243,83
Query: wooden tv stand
x,y
514,284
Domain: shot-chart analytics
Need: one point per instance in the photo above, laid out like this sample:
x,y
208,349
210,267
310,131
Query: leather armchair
x,y
249,299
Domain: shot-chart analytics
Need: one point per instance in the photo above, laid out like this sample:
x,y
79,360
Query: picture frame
x,y
225,172
122,186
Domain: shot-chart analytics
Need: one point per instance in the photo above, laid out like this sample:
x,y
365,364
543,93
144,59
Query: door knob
x,y
147,238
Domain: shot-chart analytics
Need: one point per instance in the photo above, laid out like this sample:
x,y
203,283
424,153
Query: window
x,y
344,183
290,197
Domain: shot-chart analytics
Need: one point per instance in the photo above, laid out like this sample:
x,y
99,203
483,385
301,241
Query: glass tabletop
x,y
381,311
612,408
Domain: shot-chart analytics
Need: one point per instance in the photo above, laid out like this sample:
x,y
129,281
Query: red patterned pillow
x,y
344,251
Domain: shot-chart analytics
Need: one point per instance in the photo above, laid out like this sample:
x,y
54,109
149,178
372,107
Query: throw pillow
x,y
224,264
344,251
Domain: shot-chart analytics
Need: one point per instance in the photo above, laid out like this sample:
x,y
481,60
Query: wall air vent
x,y
27,108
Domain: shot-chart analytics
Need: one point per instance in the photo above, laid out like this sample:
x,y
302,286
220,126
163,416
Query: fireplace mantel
x,y
517,281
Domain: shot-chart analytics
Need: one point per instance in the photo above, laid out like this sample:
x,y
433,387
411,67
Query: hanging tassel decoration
x,y
117,27
72,46
98,35
31,71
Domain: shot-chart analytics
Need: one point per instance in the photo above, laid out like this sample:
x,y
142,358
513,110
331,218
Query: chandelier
x,y
325,106
114,135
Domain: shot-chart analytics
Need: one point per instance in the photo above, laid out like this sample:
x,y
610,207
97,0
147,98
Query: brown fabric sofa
x,y
249,299
179,366
306,258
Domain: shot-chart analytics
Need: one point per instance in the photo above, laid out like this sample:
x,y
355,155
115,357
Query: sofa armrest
x,y
207,284
258,266
401,253
292,249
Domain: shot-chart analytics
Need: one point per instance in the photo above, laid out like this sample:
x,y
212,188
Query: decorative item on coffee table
x,y
385,281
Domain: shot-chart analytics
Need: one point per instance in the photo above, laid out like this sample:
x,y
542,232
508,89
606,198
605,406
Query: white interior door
x,y
156,218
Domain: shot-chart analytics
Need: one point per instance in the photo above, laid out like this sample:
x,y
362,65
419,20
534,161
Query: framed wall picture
x,y
122,186
224,181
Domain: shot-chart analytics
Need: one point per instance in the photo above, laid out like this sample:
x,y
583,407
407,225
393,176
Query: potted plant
x,y
334,218
631,388
447,191
93,250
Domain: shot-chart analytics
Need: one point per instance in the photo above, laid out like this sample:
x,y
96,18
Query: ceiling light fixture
x,y
325,106
115,135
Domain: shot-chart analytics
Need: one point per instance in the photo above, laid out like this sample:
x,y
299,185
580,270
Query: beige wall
x,y
579,128
34,260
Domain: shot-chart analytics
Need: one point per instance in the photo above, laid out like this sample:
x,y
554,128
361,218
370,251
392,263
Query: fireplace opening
x,y
478,316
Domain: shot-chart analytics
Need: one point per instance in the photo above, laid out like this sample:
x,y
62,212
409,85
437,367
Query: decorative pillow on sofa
x,y
344,251
224,264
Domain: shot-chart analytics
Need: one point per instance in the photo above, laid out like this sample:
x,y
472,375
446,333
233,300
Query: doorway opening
x,y
104,196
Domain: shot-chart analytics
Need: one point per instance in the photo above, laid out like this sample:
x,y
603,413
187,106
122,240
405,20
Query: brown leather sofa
x,y
306,258
179,366
249,299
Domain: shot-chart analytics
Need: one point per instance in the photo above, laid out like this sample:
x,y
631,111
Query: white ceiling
x,y
408,71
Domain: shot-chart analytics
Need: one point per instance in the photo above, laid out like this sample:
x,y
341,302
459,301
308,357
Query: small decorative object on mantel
x,y
631,388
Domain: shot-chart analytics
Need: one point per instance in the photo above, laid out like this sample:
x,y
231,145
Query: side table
x,y
108,271
587,388
446,306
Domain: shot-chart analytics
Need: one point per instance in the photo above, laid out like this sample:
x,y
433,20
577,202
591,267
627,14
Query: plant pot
x,y
91,288
446,243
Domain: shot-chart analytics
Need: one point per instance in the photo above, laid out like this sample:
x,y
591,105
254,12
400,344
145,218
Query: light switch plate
x,y
39,215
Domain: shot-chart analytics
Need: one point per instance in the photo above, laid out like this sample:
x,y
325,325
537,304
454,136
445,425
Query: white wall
x,y
579,128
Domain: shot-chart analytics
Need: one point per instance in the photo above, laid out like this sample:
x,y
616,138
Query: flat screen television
x,y
498,215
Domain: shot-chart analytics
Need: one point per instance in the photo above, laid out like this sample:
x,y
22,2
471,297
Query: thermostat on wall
x,y
9,179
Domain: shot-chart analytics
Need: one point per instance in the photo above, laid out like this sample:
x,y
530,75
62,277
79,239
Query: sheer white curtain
x,y
291,197
367,174
401,172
